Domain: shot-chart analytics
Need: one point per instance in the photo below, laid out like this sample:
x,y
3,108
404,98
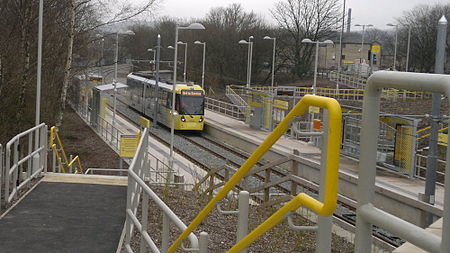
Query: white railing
x,y
159,171
136,186
228,109
25,158
235,98
421,163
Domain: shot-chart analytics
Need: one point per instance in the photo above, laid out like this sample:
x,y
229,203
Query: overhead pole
x,y
430,176
158,53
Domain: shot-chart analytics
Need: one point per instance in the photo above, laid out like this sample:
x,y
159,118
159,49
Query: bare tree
x,y
423,21
299,19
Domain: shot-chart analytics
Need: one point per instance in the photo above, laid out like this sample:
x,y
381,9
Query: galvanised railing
x,y
136,186
25,158
159,171
368,215
228,109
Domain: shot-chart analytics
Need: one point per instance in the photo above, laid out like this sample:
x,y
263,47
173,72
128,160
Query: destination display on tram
x,y
192,92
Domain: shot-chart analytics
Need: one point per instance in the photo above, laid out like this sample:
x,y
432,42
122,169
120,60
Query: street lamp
x,y
193,26
362,43
131,33
273,57
102,55
309,41
185,58
408,48
154,56
326,42
395,45
203,62
249,58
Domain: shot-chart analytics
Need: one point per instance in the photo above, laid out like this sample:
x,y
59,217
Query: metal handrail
x,y
136,185
66,165
36,158
324,208
367,213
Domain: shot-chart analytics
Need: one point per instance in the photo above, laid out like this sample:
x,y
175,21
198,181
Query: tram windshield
x,y
191,103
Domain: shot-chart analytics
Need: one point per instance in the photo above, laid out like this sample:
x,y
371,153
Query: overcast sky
x,y
376,12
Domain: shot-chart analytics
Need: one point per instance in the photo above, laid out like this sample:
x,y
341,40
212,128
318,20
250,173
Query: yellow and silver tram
x,y
145,98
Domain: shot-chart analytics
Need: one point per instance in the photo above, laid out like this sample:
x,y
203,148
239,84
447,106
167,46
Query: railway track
x,y
234,157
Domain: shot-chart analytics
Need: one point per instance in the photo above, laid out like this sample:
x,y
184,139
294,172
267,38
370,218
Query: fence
x,y
136,186
159,171
59,155
25,158
230,110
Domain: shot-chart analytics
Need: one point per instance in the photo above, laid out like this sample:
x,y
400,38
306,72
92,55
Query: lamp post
x,y
193,26
395,45
362,43
326,42
273,57
249,58
102,41
154,56
39,68
185,58
203,62
131,33
408,48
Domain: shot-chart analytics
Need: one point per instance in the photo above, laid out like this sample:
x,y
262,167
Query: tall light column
x,y
395,45
362,43
273,58
129,32
185,58
408,48
193,26
154,56
203,62
326,42
249,58
39,67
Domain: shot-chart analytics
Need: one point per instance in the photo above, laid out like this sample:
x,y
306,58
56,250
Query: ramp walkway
x,y
67,213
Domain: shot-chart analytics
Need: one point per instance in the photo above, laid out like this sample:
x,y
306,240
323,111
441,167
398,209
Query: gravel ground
x,y
221,228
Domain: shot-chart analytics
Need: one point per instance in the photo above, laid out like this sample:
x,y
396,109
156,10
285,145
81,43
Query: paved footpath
x,y
73,214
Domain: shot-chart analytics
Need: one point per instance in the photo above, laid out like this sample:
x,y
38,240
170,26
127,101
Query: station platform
x,y
409,188
67,213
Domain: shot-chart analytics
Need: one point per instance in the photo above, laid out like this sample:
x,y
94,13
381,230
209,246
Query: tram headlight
x,y
201,119
183,119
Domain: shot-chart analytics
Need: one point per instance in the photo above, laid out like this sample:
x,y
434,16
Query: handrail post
x,y
324,223
165,233
203,242
243,206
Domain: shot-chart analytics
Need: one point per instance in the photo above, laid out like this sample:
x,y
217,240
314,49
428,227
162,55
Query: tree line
x,y
71,45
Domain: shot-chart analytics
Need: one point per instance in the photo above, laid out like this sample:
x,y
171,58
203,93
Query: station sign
x,y
314,109
144,122
128,145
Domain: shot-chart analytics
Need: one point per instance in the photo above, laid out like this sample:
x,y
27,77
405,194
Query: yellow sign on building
x,y
376,48
128,145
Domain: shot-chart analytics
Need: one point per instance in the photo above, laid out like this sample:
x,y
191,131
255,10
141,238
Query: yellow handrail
x,y
326,208
66,164
428,134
